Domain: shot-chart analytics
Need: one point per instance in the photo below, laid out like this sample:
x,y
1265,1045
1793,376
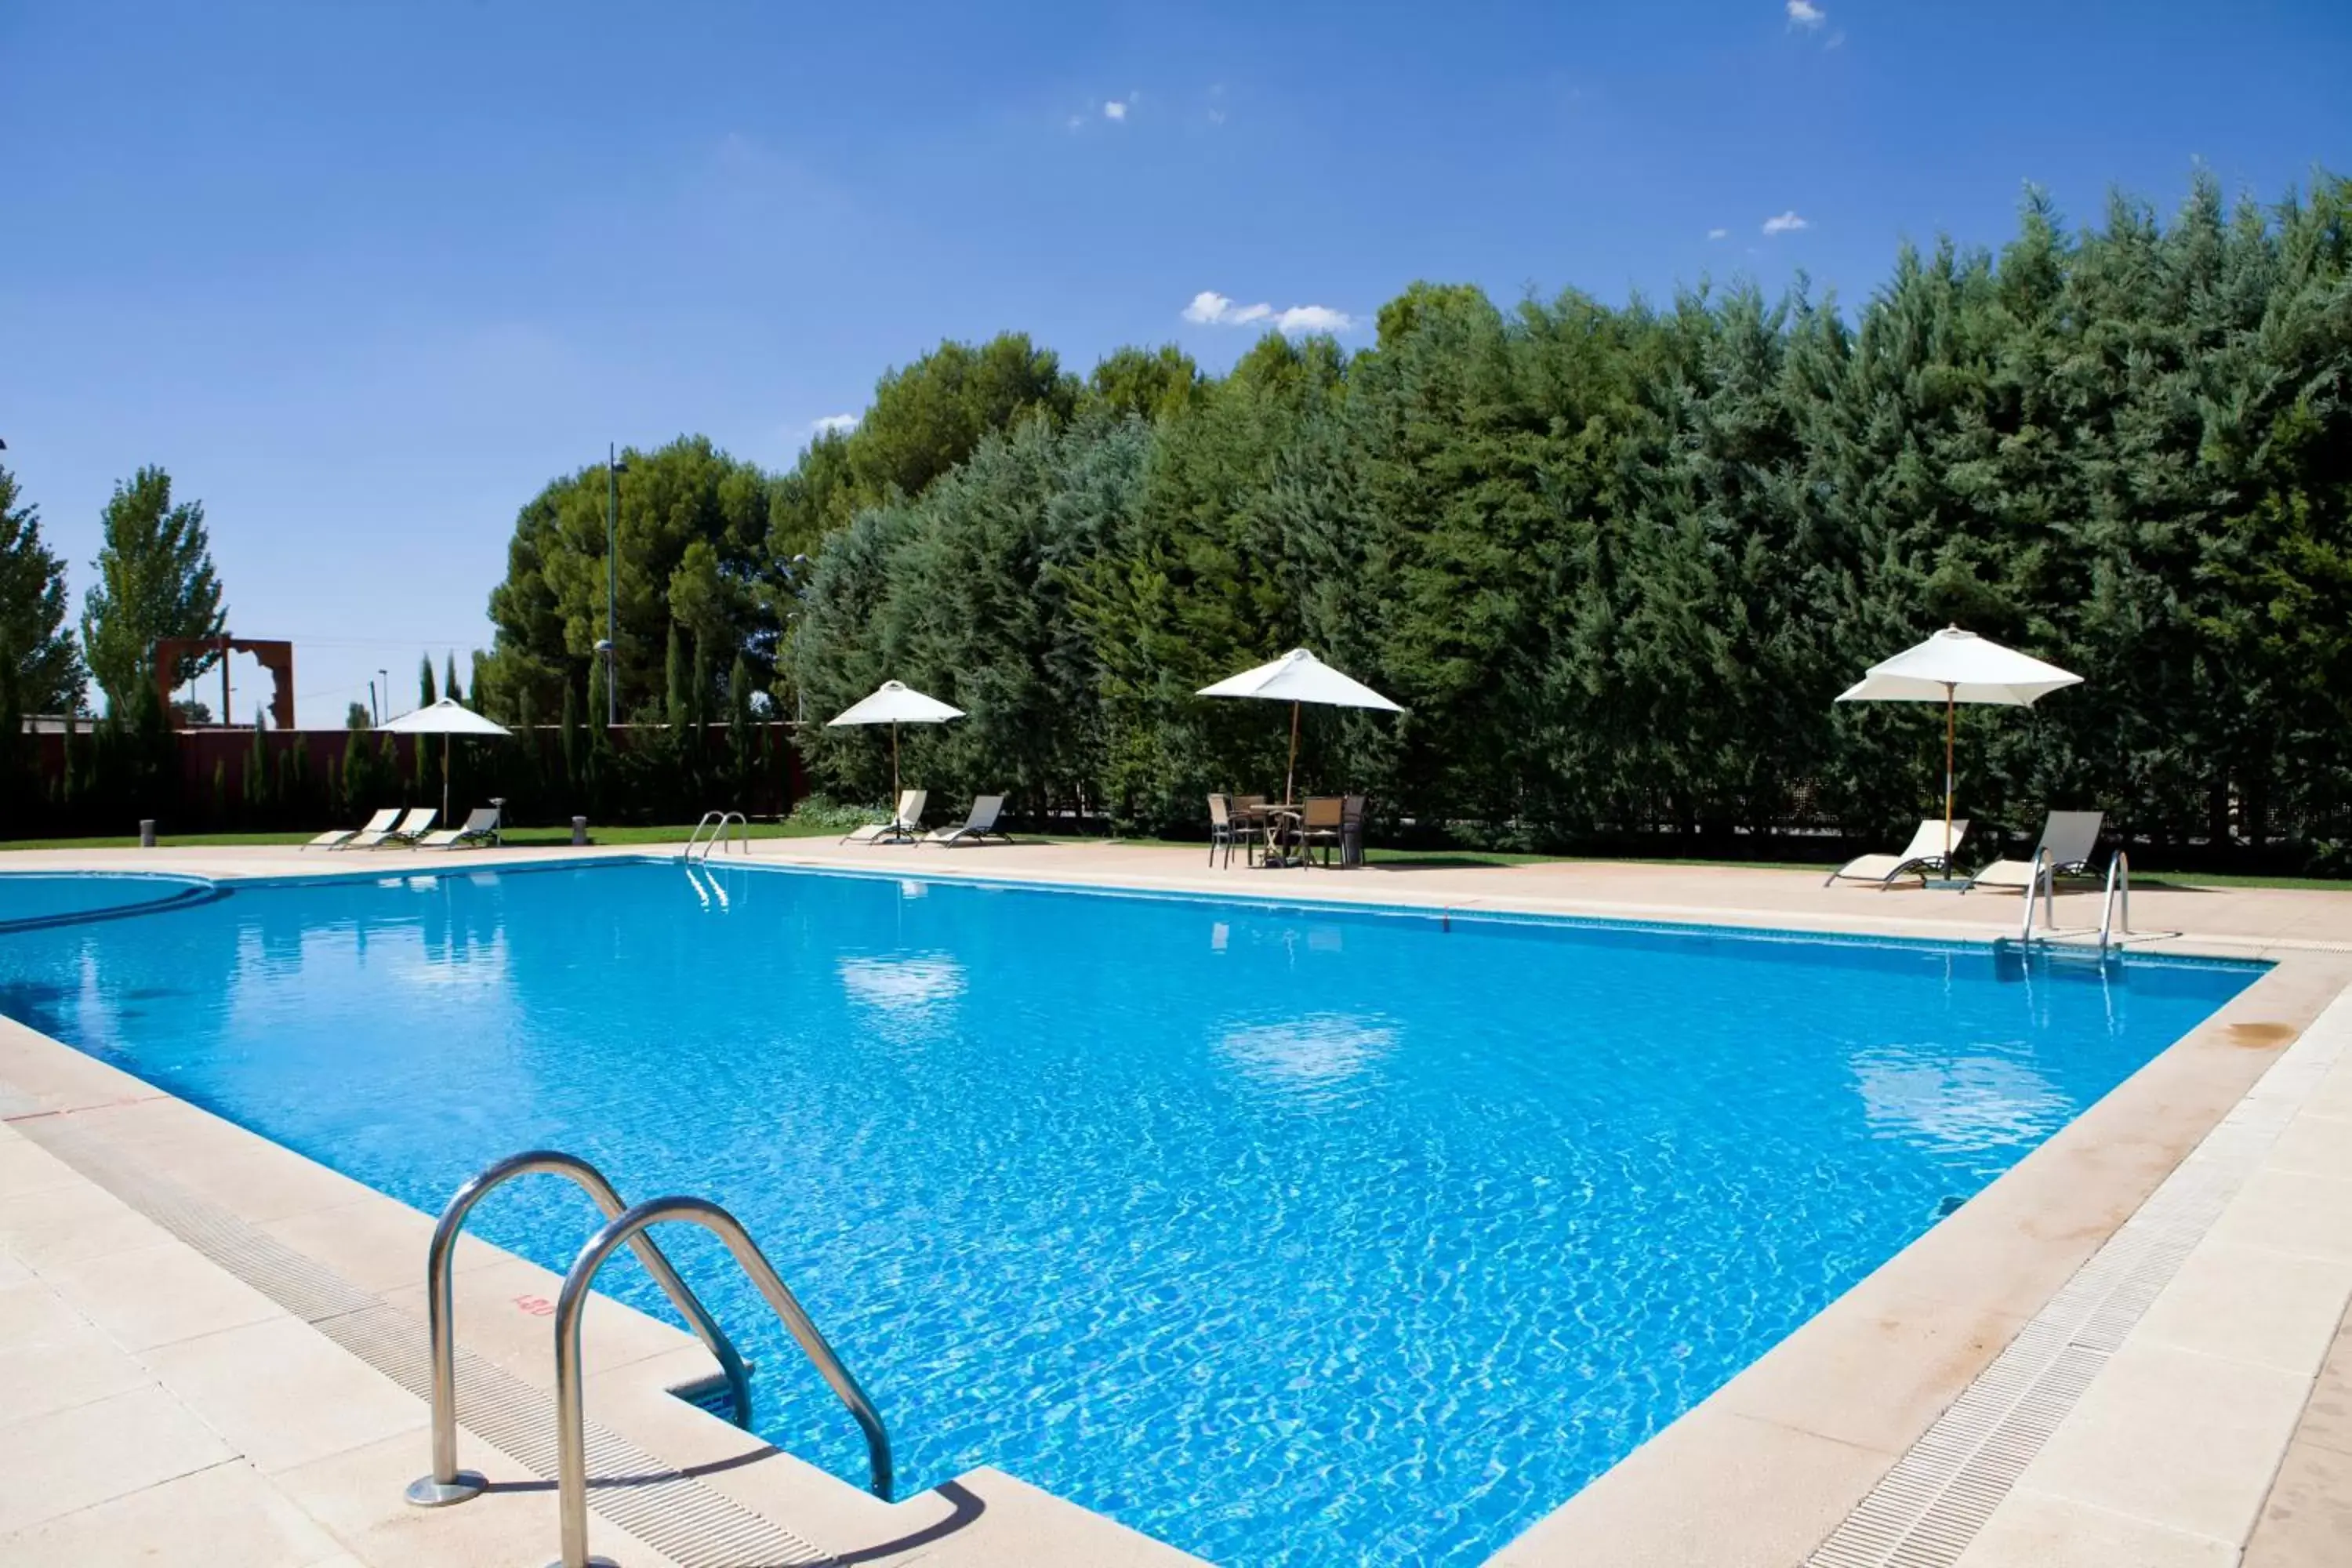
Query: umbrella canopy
x,y
1955,666
444,718
1299,677
894,702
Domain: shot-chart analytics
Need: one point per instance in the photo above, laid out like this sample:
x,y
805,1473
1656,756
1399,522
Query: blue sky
x,y
364,276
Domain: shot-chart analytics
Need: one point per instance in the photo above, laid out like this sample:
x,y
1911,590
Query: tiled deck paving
x,y
153,1404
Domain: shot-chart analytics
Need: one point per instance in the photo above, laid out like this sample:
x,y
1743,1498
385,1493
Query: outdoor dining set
x,y
1282,833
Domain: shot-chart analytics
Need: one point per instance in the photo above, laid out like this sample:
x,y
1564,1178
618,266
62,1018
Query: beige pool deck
x,y
2129,1352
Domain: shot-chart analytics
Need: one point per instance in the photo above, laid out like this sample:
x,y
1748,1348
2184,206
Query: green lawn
x,y
2149,877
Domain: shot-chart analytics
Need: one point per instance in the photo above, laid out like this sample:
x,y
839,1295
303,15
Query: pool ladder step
x,y
624,1227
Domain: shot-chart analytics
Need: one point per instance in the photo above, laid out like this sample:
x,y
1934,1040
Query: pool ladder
x,y
624,1227
717,823
2115,901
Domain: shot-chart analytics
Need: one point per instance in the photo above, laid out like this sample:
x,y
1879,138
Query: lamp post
x,y
387,695
614,470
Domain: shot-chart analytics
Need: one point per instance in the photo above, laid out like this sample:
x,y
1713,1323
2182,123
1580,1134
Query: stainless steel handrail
x,y
2044,881
2119,881
570,1433
719,822
447,1483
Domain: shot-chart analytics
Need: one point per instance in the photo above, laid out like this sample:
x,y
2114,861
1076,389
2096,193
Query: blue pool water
x,y
1288,1236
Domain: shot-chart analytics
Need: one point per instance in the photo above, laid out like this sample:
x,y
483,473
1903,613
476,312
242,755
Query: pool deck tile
x,y
156,1296
283,1392
2180,1439
241,1520
2268,1308
2031,1529
92,1452
52,1358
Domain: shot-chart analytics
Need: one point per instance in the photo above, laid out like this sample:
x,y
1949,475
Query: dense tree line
x,y
1614,562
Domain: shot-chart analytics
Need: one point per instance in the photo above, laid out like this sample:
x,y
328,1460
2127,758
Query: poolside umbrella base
x,y
1955,666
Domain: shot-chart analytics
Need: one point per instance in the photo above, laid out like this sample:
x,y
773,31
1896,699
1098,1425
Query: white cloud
x,y
1805,13
1313,319
1208,308
1786,223
1217,117
1115,109
1211,308
1718,234
835,424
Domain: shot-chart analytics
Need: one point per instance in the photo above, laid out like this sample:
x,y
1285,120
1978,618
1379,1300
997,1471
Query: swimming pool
x,y
1287,1235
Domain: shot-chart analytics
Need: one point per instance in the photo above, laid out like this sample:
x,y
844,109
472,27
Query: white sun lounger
x,y
1925,853
903,828
406,831
481,826
339,838
2069,839
980,825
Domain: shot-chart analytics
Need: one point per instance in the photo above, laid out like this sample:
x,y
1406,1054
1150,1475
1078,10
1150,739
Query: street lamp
x,y
614,470
387,696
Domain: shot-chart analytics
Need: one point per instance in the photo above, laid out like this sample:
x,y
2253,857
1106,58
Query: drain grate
x,y
1926,1510
676,1515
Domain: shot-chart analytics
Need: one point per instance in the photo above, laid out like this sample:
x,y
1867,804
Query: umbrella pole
x,y
1290,774
446,741
894,764
1949,700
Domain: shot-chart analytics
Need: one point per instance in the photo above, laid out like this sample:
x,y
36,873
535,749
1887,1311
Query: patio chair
x,y
1925,853
481,826
1320,825
337,838
2069,839
904,827
976,828
1352,830
1223,829
402,832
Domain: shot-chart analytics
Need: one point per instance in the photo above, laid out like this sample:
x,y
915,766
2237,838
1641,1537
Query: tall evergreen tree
x,y
46,665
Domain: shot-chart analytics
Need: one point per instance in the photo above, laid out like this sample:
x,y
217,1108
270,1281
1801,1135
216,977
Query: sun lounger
x,y
406,831
1925,853
980,825
341,837
2069,839
903,828
481,826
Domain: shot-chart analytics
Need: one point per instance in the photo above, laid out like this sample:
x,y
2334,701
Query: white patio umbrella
x,y
445,717
1955,666
894,702
1299,677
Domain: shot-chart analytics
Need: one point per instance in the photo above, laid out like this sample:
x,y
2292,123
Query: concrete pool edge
x,y
1797,1438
